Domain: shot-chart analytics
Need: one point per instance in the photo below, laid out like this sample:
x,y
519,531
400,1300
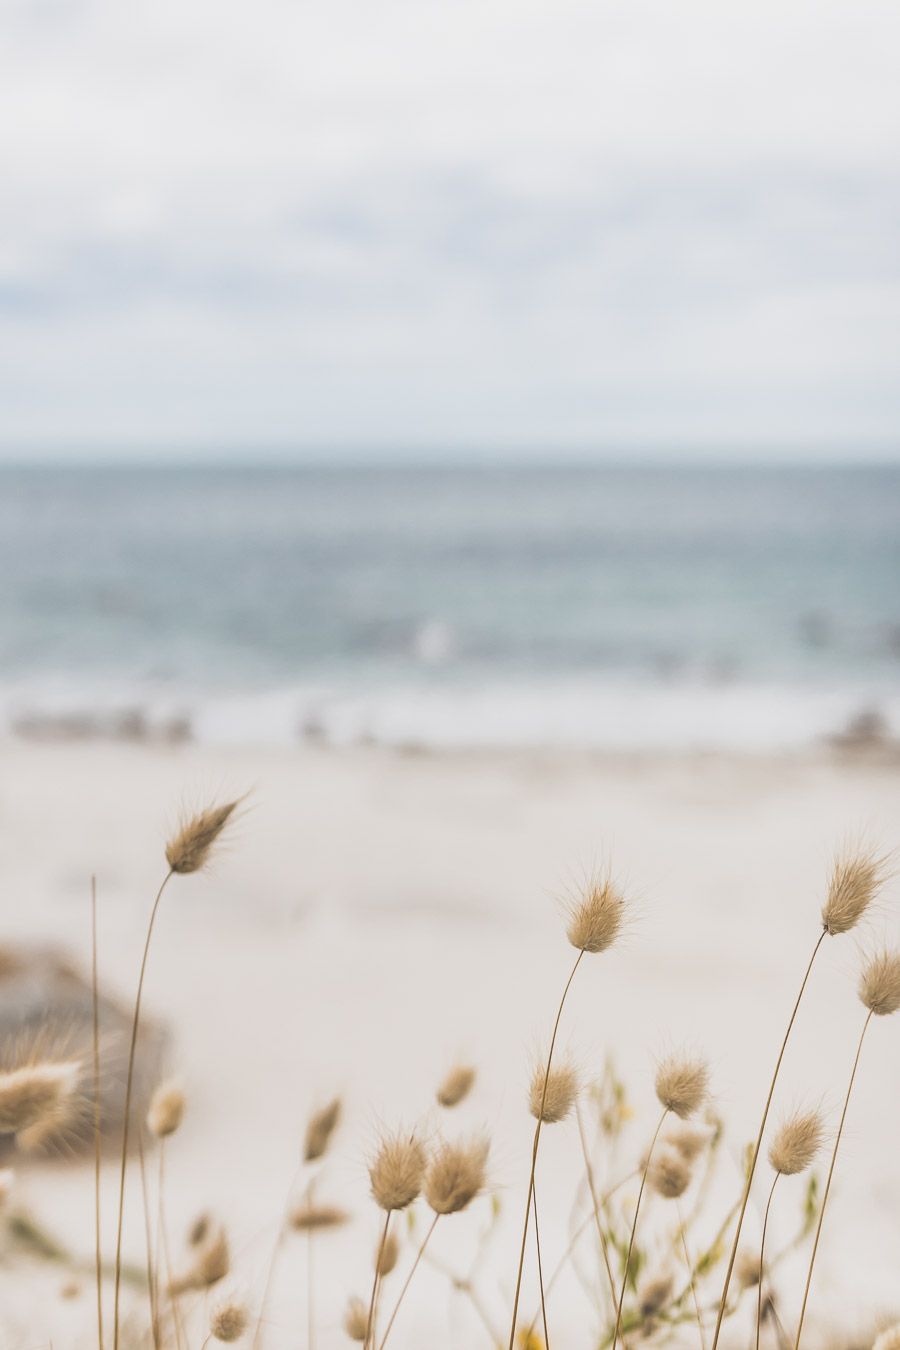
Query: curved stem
x,y
540,1266
534,1151
682,1230
834,1153
762,1259
588,1167
720,1316
637,1210
384,1238
129,1083
561,1263
98,1148
408,1281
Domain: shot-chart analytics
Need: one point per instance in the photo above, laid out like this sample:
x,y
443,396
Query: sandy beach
x,y
377,915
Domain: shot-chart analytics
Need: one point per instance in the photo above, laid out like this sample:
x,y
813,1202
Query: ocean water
x,y
600,606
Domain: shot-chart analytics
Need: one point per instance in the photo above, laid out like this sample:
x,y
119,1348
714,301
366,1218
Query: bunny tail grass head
x,y
682,1084
456,1086
855,880
189,849
387,1254
747,1269
397,1170
455,1175
356,1319
689,1140
229,1321
879,983
553,1103
212,1262
654,1292
166,1110
596,915
320,1127
37,1094
307,1216
889,1339
668,1174
796,1143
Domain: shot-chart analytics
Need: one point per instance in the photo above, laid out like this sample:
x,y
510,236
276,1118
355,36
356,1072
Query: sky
x,y
475,226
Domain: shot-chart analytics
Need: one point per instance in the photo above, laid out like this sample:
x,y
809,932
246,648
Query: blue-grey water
x,y
502,604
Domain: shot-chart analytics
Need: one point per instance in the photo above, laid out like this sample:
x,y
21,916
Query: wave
x,y
564,712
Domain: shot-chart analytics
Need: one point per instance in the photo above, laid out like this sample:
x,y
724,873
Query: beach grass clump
x,y
657,1277
456,1085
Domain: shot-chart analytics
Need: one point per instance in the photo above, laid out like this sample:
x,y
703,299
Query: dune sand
x,y
376,915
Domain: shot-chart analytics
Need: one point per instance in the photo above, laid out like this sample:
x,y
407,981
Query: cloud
x,y
476,223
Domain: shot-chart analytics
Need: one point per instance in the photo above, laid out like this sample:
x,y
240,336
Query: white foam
x,y
565,712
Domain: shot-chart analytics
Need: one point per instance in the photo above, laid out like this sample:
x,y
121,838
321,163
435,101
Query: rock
x,y
45,1001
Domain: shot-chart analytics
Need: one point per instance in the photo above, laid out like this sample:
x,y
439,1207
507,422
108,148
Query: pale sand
x,y
377,914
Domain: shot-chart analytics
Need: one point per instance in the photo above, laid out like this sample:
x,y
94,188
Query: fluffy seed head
x,y
654,1293
228,1321
596,916
320,1128
189,849
796,1142
746,1269
34,1094
386,1254
456,1086
879,983
682,1084
688,1140
889,1339
7,1177
556,1102
456,1175
397,1171
855,881
166,1110
308,1216
356,1319
668,1174
211,1263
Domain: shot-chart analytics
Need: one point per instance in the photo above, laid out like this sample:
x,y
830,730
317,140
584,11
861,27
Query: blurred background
x,y
484,373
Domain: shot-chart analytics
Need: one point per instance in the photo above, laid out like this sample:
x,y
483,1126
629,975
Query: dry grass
x,y
681,1271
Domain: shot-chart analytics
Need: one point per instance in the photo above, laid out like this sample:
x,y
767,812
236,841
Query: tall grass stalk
x,y
757,1147
98,1145
534,1149
129,1086
634,1224
825,1193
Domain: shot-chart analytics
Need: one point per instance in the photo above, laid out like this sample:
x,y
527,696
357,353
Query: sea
x,y
638,608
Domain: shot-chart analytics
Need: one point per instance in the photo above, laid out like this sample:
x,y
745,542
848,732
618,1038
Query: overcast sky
x,y
476,224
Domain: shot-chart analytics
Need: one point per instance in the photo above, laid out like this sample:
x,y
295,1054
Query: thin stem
x,y
163,1237
762,1259
534,1151
682,1230
637,1210
378,1255
589,1169
273,1260
563,1260
720,1317
540,1266
129,1083
415,1265
95,1017
148,1237
310,1312
834,1153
